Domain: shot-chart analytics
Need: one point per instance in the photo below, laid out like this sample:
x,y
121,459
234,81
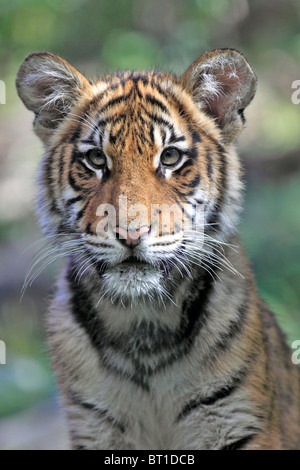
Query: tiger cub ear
x,y
222,83
49,86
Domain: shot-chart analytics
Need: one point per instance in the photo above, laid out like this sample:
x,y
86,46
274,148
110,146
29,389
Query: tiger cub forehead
x,y
136,110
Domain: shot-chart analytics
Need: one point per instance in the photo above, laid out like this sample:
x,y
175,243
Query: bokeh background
x,y
99,36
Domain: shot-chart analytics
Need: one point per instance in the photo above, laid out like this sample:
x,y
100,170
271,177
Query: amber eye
x,y
96,159
170,156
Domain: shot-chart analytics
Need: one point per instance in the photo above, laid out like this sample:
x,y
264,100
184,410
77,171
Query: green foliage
x,y
26,378
129,50
271,234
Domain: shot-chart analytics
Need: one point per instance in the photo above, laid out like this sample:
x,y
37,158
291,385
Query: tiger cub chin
x,y
158,337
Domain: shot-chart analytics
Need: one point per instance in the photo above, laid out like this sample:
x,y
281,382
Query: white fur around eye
x,y
99,173
168,171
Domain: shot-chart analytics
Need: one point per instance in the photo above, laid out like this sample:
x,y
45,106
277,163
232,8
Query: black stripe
x,y
184,195
137,89
88,141
186,172
238,445
209,164
199,201
214,217
54,209
102,122
76,134
80,165
82,211
152,133
69,202
196,137
186,164
72,181
102,413
177,139
140,117
85,177
241,113
116,119
164,136
112,139
113,101
88,229
171,96
234,328
48,181
156,102
192,153
115,136
61,166
63,229
99,97
143,78
76,155
221,394
193,183
195,311
159,120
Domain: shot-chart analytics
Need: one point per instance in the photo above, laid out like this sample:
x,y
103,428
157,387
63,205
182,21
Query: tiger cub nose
x,y
131,238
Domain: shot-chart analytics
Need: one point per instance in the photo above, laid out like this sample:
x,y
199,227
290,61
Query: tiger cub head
x,y
139,178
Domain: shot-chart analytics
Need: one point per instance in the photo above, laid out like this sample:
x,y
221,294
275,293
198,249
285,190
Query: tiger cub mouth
x,y
133,264
134,261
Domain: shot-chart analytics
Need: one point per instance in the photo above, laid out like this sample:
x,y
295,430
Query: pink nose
x,y
131,237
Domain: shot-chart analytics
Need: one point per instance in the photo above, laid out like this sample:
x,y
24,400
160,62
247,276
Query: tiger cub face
x,y
139,175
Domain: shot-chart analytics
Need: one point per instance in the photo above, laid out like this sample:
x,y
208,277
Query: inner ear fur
x,y
49,86
222,83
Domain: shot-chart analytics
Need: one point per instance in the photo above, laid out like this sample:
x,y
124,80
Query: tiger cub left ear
x,y
49,86
222,83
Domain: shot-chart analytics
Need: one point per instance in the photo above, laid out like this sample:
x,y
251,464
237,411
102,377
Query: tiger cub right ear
x,y
49,86
222,84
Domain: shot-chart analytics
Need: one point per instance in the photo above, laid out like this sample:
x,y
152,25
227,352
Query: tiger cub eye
x,y
96,159
170,156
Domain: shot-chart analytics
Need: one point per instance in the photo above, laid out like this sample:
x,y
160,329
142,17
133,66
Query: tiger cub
x,y
158,338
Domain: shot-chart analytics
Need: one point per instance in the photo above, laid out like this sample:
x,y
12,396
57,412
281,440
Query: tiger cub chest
x,y
162,417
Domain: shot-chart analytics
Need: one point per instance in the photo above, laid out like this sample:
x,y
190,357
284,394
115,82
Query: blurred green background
x,y
98,36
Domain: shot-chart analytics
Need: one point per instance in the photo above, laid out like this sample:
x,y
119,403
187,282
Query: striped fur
x,y
166,344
